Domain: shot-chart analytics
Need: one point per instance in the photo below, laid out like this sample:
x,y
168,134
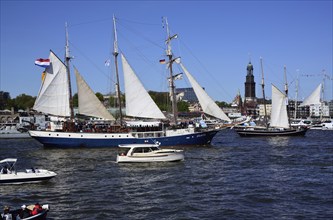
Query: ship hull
x,y
90,140
270,133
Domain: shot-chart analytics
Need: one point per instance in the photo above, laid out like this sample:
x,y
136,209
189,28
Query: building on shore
x,y
250,100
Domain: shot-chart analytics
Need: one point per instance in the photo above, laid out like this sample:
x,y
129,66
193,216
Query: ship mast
x,y
296,97
171,80
263,91
67,59
115,54
286,91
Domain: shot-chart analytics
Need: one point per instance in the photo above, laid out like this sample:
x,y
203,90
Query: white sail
x,y
138,101
53,96
279,116
89,104
313,98
207,103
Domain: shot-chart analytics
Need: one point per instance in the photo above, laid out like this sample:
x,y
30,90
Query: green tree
x,y
4,100
161,99
23,101
222,104
100,96
183,106
75,100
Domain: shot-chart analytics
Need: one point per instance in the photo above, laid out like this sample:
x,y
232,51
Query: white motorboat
x,y
327,124
9,175
13,131
141,153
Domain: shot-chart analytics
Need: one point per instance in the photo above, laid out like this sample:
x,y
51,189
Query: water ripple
x,y
234,178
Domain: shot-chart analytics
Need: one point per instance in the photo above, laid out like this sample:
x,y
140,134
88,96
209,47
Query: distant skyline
x,y
216,41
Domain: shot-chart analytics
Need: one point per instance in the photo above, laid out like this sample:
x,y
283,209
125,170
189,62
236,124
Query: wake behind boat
x,y
144,153
54,98
9,175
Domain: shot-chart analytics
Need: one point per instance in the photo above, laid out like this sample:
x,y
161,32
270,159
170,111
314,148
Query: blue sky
x,y
216,41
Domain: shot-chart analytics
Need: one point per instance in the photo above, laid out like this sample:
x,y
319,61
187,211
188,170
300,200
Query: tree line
x,y
162,100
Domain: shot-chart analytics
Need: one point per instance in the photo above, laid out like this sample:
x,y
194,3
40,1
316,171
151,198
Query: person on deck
x,y
37,209
6,214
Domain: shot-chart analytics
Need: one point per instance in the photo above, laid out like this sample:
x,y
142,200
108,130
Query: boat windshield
x,y
7,165
144,149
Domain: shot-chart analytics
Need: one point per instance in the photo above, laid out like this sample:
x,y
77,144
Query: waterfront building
x,y
330,106
250,101
261,109
250,85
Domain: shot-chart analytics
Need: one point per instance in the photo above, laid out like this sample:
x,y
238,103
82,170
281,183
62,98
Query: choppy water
x,y
234,178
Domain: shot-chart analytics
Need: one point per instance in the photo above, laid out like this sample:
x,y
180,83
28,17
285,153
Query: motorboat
x,y
13,130
30,212
141,153
327,124
9,175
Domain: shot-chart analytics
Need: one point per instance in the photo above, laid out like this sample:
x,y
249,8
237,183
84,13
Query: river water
x,y
234,178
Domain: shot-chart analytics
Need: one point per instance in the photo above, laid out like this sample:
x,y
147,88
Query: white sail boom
x,y
207,103
89,104
138,101
53,96
279,115
313,98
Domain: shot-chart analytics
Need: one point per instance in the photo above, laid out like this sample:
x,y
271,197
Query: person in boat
x,y
6,215
24,212
37,209
4,170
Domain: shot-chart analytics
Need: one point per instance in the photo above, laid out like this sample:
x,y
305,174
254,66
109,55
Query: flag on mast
x,y
42,62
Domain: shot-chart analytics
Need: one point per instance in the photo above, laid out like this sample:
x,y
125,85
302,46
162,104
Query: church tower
x,y
250,85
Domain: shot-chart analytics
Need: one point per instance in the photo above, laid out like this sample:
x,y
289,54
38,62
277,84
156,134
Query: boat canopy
x,y
137,145
9,160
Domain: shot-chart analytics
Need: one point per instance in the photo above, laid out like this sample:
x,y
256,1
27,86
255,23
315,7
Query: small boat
x,y
30,212
327,124
141,153
13,131
9,175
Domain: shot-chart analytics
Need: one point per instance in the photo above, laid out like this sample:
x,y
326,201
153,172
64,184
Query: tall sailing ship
x,y
54,98
279,121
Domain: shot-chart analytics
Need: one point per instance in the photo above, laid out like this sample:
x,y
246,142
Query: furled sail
x,y
138,101
89,104
53,96
313,98
279,116
207,103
